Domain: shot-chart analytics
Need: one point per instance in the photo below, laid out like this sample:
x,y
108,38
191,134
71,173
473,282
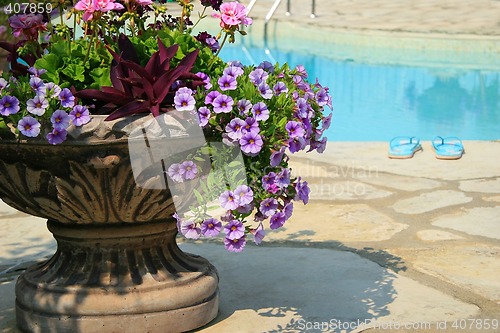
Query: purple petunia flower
x,y
175,173
9,105
203,116
273,188
307,125
227,82
234,229
277,220
184,100
294,129
246,208
251,126
302,190
302,107
179,221
296,144
36,72
228,216
280,88
67,99
37,85
223,103
326,122
243,195
265,91
268,206
190,230
52,90
283,178
267,66
244,106
301,71
37,105
235,128
80,115
213,44
258,76
288,210
233,71
321,145
29,126
258,234
228,200
189,170
3,83
235,245
211,227
206,79
251,143
60,120
277,157
323,97
269,179
235,63
209,99
57,136
260,111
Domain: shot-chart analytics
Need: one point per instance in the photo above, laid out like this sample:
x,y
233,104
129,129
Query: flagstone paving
x,y
358,259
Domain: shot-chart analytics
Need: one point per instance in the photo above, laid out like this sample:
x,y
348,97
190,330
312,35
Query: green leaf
x,y
75,71
101,76
60,48
282,122
234,164
199,159
198,195
51,63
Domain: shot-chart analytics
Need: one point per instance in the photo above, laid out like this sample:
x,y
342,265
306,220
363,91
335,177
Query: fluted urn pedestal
x,y
117,267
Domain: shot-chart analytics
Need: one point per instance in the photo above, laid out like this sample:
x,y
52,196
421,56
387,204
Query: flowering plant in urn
x,y
124,58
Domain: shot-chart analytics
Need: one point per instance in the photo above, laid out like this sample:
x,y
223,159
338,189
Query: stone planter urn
x,y
117,267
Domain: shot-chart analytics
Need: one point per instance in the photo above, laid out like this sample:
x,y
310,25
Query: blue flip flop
x,y
404,147
449,148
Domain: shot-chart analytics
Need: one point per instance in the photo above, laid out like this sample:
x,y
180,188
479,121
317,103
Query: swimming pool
x,y
375,102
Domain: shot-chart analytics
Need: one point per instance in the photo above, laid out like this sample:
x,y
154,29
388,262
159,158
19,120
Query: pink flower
x,y
91,6
232,14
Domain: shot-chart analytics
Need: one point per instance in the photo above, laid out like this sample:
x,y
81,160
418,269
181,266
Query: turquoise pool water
x,y
375,102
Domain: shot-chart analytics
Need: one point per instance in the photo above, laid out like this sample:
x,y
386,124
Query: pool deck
x,y
403,245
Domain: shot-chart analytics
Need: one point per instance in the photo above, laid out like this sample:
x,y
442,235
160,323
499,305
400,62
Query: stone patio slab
x,y
480,221
475,267
283,289
481,185
432,235
333,222
403,183
428,202
326,189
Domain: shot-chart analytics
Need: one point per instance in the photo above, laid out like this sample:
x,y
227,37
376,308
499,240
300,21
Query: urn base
x,y
117,278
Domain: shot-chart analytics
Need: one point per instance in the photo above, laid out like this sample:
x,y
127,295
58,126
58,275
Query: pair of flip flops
x,y
450,148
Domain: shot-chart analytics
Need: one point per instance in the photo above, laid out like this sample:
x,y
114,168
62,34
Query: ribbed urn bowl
x,y
117,267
